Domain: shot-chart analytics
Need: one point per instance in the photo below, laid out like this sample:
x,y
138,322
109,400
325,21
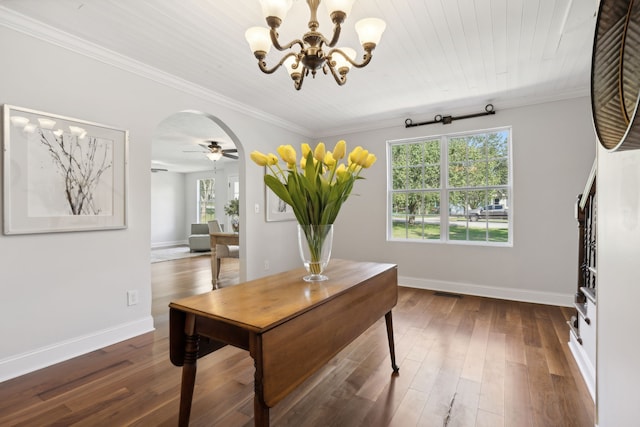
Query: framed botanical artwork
x,y
276,209
62,174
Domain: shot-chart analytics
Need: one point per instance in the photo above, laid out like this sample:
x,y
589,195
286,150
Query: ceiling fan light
x,y
339,6
276,8
259,39
340,60
370,30
214,156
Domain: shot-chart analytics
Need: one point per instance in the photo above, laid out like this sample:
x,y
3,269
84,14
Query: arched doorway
x,y
181,147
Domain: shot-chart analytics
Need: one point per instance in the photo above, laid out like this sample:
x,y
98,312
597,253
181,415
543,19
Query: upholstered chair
x,y
223,251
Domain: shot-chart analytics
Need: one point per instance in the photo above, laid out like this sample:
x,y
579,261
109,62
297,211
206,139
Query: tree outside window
x,y
469,174
206,200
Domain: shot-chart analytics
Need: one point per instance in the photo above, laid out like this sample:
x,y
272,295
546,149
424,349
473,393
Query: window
x,y
469,174
206,200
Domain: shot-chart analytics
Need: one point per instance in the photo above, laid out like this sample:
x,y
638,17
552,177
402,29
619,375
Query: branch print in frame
x,y
276,209
62,174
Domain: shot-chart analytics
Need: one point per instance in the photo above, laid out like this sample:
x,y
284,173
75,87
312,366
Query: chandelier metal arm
x,y
274,40
365,59
340,78
263,65
336,35
297,83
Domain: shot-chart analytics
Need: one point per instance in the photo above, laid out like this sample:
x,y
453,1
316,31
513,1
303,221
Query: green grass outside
x,y
456,232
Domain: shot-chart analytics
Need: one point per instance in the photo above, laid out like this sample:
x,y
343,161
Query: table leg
x,y
214,263
260,413
260,409
392,346
188,370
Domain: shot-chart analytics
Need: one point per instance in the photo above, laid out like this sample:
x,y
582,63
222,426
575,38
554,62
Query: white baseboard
x,y
158,245
524,295
24,363
584,364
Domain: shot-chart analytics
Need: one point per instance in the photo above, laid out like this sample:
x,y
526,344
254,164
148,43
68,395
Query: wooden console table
x,y
220,239
291,328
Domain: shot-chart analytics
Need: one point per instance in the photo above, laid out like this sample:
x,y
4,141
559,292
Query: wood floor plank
x,y
492,391
501,363
410,409
464,409
544,402
385,406
556,359
475,357
517,402
489,419
570,403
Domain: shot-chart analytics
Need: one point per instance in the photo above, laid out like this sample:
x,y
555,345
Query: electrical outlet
x,y
132,298
257,208
266,264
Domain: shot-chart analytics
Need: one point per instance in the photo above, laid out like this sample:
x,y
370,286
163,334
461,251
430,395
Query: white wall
x,y
168,203
64,294
553,151
618,240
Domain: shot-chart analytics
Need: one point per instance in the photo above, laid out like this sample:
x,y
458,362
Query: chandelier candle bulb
x,y
259,39
342,63
275,8
343,6
370,30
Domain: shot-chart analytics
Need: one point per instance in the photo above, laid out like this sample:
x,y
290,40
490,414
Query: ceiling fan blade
x,y
231,156
230,150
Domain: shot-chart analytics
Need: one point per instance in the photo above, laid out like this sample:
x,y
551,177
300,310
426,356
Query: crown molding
x,y
49,34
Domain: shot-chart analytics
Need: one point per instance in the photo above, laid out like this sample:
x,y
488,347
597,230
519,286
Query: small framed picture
x,y
276,209
62,174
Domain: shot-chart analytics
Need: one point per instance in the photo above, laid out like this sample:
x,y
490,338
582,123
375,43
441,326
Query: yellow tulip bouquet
x,y
317,186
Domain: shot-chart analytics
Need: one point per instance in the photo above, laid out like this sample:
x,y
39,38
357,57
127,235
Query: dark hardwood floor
x,y
466,361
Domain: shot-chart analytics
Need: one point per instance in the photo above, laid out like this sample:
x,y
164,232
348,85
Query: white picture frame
x,y
62,174
276,209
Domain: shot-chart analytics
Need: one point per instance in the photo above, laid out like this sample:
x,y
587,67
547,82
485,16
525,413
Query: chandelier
x,y
311,56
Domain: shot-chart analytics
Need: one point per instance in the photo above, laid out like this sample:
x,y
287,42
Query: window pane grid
x,y
206,200
476,185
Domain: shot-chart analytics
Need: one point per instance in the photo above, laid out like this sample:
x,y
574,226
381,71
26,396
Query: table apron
x,y
223,332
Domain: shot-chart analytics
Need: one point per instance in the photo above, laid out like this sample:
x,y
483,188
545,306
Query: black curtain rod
x,y
445,120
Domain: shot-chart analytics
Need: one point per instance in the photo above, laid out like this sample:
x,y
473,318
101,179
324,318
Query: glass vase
x,y
315,243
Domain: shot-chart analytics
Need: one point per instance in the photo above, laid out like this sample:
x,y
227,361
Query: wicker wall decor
x,y
615,75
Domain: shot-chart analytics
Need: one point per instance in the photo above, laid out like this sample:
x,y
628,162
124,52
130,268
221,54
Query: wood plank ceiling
x,y
436,56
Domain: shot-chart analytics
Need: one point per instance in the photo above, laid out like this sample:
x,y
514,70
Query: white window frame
x,y
444,189
197,219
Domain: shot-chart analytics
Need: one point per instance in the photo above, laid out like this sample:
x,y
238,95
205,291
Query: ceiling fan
x,y
214,151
